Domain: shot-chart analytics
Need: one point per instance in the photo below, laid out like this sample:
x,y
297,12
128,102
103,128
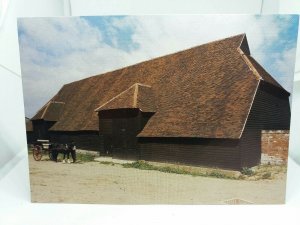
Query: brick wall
x,y
275,143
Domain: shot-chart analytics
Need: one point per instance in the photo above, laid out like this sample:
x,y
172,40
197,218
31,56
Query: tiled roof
x,y
137,96
50,112
205,91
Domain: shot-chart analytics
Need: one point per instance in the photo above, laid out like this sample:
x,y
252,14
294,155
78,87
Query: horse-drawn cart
x,y
40,148
44,147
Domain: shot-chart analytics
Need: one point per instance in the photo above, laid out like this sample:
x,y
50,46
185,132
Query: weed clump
x,y
247,171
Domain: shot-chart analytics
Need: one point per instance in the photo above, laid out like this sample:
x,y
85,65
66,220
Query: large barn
x,y
205,106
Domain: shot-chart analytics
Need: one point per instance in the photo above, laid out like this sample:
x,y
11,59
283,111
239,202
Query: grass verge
x,y
178,170
261,172
81,157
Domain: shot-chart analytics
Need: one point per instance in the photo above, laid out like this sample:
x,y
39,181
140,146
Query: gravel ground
x,y
92,182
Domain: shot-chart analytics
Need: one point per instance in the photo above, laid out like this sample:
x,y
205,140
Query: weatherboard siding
x,y
87,140
223,153
273,108
270,110
41,128
119,129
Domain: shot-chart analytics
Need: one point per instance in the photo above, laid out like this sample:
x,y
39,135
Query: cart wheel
x,y
37,153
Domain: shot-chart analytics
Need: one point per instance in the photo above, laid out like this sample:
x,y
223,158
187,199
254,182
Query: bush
x,y
247,171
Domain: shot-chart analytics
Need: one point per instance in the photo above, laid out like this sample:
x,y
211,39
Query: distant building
x,y
29,130
202,106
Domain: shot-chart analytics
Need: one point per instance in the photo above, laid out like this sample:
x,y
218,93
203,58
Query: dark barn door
x,y
119,128
124,136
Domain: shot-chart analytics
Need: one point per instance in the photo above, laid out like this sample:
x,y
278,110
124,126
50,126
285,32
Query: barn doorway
x,y
119,128
123,117
125,127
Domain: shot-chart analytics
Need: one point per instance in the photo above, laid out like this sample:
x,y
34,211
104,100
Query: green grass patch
x,y
80,157
261,172
142,165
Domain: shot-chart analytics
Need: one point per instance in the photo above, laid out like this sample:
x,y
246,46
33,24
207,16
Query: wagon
x,y
40,148
43,147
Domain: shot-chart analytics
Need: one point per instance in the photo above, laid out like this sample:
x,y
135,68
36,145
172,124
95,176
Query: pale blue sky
x,y
55,51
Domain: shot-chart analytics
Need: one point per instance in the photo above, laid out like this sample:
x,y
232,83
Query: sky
x,y
56,51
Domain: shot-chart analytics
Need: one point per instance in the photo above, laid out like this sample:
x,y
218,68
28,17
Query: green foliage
x,y
139,165
177,170
84,157
217,174
247,171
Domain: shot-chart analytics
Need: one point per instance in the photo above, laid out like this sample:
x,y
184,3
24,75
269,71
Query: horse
x,y
64,149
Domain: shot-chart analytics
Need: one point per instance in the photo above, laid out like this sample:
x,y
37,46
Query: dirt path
x,y
97,183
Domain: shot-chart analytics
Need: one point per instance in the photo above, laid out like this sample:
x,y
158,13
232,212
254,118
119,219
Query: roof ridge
x,y
265,75
144,85
45,110
135,94
57,102
159,57
114,97
244,46
249,64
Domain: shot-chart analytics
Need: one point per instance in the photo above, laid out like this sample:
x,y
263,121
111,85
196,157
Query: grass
x,y
269,171
81,157
177,170
261,172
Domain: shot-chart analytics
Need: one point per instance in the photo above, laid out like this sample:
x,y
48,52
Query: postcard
x,y
158,109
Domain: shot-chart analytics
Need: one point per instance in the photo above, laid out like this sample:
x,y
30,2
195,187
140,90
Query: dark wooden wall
x,y
272,108
223,153
119,129
270,111
250,147
86,140
41,127
31,138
